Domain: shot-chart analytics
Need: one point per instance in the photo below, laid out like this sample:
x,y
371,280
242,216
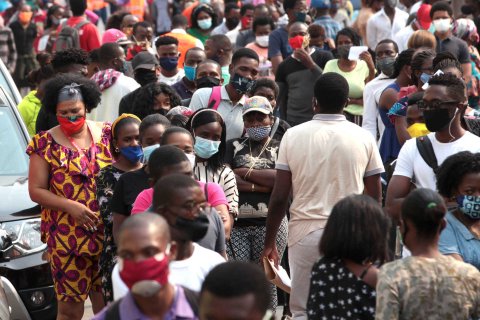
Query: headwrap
x,y
123,116
463,28
70,92
202,111
180,110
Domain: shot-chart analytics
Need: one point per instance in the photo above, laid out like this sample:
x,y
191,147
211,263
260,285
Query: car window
x,y
13,159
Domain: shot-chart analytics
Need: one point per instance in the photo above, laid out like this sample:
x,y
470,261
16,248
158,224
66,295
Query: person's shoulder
x,y
128,82
202,92
402,13
207,256
322,54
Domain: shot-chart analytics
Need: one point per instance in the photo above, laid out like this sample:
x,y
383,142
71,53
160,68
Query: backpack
x,y
215,98
69,37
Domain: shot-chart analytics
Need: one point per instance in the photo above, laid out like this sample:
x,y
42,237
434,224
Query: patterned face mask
x,y
469,205
258,133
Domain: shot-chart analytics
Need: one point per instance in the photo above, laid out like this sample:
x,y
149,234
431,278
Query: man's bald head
x,y
146,222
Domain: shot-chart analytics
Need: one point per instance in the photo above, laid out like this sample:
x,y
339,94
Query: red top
x,y
89,35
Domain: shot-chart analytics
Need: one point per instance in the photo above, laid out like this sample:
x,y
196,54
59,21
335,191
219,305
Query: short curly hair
x,y
90,92
143,105
67,57
454,169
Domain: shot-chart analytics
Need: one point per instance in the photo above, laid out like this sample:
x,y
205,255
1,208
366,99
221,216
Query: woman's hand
x,y
367,57
84,216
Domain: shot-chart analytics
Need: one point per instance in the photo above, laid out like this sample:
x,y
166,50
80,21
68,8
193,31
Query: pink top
x,y
216,197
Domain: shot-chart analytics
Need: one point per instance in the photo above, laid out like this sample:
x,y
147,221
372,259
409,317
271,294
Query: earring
x,y
117,150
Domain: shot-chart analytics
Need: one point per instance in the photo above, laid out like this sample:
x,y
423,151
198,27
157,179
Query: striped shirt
x,y
225,178
8,51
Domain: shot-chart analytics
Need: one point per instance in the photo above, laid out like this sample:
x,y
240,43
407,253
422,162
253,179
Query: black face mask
x,y
144,76
194,229
437,119
207,82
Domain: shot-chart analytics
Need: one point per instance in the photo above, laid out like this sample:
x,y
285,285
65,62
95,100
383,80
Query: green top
x,y
29,108
197,34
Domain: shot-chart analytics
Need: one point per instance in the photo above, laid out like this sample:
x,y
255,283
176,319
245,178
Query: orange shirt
x,y
185,42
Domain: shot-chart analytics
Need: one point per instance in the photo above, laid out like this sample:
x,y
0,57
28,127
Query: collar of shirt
x,y
178,31
329,117
448,38
226,97
466,234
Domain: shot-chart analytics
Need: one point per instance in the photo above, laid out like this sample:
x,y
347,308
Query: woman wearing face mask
x,y
357,72
262,27
253,162
208,130
204,20
155,98
64,163
450,286
458,181
128,155
46,41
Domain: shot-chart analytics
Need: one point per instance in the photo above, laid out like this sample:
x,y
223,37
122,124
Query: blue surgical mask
x,y
424,77
147,152
205,148
258,133
132,153
190,72
168,63
241,84
469,205
205,24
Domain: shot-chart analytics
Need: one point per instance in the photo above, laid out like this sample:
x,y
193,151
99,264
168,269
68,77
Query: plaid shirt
x,y
331,26
8,52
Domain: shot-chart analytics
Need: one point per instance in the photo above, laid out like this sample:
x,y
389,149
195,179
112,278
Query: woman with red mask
x,y
64,162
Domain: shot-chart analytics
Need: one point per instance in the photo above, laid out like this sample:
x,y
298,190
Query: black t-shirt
x,y
127,189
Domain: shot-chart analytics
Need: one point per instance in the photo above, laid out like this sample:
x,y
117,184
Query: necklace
x,y
255,159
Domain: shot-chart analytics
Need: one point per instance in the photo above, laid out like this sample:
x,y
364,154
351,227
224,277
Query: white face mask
x,y
442,25
191,157
262,41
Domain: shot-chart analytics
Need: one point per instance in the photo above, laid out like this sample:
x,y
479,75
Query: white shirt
x,y
107,109
198,43
371,98
415,7
172,80
379,26
402,36
188,273
411,164
231,34
231,114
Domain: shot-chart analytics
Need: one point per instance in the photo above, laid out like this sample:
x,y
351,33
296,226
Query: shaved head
x,y
148,222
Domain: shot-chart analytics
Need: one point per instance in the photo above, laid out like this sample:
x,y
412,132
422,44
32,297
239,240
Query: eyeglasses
x,y
422,105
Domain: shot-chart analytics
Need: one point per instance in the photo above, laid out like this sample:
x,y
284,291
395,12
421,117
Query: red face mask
x,y
296,42
71,125
154,268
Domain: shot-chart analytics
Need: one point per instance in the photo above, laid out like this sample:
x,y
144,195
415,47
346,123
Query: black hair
x,y
235,279
107,52
331,92
165,188
173,130
262,6
418,59
122,123
162,157
245,7
244,53
78,7
350,33
179,20
143,105
193,49
202,117
210,61
220,40
289,4
93,56
404,58
90,92
44,58
144,24
265,83
145,220
165,41
262,21
50,12
445,60
357,230
43,73
207,9
452,171
455,86
115,20
441,6
395,45
314,30
425,209
153,120
230,6
68,57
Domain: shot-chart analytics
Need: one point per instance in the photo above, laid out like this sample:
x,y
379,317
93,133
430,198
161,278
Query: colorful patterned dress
x,y
73,250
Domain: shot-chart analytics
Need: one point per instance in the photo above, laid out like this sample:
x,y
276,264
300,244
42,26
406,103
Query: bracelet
x,y
253,187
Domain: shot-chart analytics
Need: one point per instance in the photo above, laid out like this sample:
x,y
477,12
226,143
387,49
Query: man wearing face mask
x,y
179,199
145,71
144,250
385,53
443,105
442,17
385,23
231,25
296,74
112,82
207,75
228,99
186,86
167,50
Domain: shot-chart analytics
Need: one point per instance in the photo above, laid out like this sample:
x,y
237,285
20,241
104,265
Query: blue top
x,y
330,25
457,239
389,146
278,44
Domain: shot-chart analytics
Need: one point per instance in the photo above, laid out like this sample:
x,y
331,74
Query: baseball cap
x,y
144,60
320,4
423,16
257,103
115,35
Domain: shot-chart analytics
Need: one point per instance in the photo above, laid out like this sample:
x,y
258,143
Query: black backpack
x,y
69,37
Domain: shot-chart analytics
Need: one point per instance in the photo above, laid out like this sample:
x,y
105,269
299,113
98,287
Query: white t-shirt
x,y
188,273
172,80
410,163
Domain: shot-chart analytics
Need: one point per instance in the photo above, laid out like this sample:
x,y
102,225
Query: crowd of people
x,y
177,146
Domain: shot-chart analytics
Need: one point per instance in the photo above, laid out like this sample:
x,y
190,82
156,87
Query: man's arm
x,y
369,122
373,187
398,189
